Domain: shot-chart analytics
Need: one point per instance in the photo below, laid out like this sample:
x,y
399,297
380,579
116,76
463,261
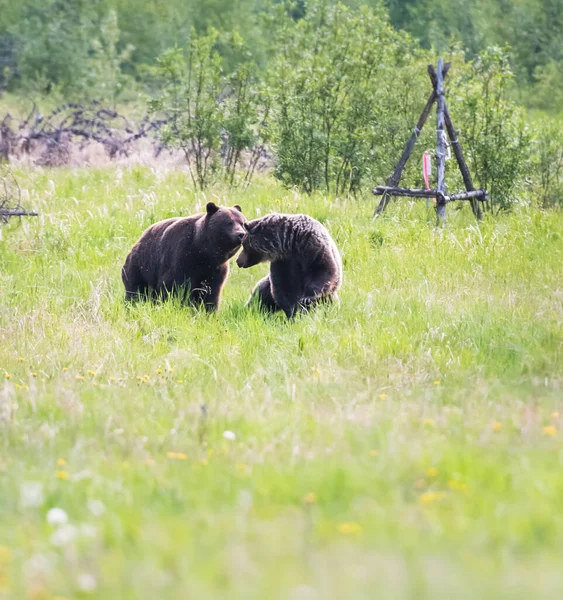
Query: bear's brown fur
x,y
305,265
186,255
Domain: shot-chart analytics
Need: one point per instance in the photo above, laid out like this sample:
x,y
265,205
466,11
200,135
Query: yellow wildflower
x,y
34,374
459,486
91,373
429,497
432,472
62,475
437,382
171,454
61,462
373,452
349,527
7,375
181,456
21,359
550,430
180,381
310,498
159,371
496,426
555,414
428,421
5,555
383,396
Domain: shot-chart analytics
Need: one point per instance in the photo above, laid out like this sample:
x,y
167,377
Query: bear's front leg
x,y
208,290
286,286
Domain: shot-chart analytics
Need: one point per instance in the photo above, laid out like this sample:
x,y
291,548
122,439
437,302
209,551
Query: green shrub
x,y
337,108
548,162
213,116
494,133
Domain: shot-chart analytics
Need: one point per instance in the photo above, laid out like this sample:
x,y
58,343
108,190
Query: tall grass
x,y
405,444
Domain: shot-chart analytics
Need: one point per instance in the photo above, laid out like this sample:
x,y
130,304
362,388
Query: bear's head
x,y
259,245
225,229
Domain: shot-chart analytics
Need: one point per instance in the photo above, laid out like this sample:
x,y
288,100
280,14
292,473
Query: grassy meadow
x,y
405,444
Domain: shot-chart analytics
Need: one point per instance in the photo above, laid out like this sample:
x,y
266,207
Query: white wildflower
x,y
64,535
86,582
96,507
38,565
31,494
57,516
229,435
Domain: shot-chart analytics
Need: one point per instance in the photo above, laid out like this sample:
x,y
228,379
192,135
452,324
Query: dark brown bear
x,y
185,255
305,265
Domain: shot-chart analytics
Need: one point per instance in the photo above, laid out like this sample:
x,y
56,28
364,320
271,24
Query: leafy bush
x,y
495,136
337,108
213,116
548,162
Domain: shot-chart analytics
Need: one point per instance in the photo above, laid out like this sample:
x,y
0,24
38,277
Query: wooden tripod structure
x,y
9,199
443,123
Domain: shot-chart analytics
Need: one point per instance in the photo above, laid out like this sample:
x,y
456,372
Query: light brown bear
x,y
305,265
185,255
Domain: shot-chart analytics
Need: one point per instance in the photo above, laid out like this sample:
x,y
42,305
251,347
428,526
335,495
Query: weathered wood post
x,y
443,123
10,197
458,153
440,147
456,145
393,181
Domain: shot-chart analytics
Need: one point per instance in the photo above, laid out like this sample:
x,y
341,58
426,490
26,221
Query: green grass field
x,y
406,444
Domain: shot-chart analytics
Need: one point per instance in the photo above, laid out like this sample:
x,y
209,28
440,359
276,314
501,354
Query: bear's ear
x,y
211,208
237,207
248,225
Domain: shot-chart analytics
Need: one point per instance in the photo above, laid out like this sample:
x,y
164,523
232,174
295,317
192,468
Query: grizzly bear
x,y
185,255
305,265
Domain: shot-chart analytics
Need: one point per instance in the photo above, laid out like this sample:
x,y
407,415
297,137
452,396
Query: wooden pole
x,y
396,176
458,153
418,193
456,145
440,146
472,196
383,190
17,213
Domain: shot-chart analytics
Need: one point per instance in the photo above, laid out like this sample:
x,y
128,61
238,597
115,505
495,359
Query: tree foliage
x,y
332,89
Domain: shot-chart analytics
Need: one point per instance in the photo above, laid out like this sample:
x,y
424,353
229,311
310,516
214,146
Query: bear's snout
x,y
241,260
241,235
